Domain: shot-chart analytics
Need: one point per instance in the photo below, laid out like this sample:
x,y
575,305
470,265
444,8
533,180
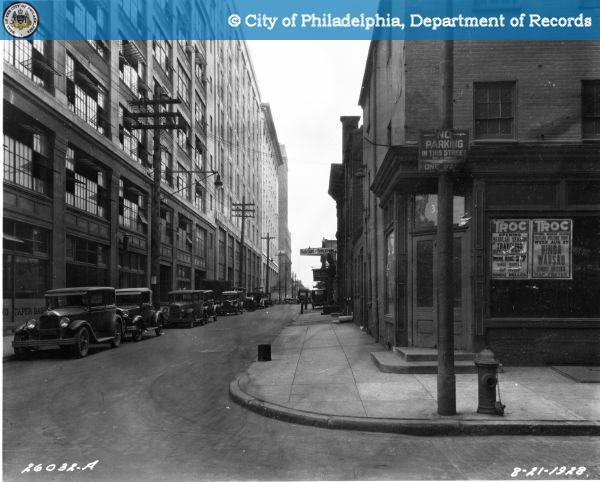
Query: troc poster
x,y
552,241
510,248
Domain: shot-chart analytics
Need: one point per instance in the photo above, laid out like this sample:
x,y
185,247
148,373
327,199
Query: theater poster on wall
x,y
552,248
510,248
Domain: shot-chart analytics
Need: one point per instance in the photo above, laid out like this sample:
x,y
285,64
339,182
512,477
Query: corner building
x,y
532,110
77,175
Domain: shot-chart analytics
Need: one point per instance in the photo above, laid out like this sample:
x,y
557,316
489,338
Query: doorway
x,y
424,292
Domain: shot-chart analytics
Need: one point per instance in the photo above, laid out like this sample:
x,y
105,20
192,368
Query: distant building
x,y
271,160
526,206
285,239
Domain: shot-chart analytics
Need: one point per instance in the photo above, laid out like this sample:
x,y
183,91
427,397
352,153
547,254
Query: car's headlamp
x,y
64,322
31,324
125,313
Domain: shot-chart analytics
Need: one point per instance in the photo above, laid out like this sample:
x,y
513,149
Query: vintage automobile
x,y
134,305
186,307
74,318
209,306
318,298
231,302
250,303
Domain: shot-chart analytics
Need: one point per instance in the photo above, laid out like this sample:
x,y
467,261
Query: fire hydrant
x,y
487,381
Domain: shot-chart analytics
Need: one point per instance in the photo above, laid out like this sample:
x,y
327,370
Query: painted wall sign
x,y
442,148
510,248
552,248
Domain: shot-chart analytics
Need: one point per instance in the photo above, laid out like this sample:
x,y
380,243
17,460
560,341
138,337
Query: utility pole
x,y
243,210
268,237
161,121
446,380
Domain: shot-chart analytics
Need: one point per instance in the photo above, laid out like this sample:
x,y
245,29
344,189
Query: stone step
x,y
390,362
416,354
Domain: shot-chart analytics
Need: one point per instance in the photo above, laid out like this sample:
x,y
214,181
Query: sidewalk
x,y
322,374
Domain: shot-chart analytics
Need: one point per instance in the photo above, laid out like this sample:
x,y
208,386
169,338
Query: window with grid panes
x,y
183,85
166,166
166,225
132,140
26,160
30,57
132,212
590,108
184,235
86,98
86,184
184,182
162,50
494,110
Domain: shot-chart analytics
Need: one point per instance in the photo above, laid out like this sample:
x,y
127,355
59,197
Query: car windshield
x,y
131,299
181,297
62,301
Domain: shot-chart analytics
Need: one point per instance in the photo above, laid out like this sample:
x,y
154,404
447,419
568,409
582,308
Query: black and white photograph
x,y
250,258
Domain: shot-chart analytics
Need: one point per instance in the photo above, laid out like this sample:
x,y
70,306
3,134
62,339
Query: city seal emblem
x,y
20,20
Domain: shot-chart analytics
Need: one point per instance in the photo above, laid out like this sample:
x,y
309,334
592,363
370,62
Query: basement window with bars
x,y
494,109
86,184
590,108
85,96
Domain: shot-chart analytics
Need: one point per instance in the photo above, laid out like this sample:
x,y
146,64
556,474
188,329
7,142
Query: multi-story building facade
x,y
526,204
285,238
78,171
271,160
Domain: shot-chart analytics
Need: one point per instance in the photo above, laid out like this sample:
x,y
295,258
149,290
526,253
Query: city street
x,y
160,410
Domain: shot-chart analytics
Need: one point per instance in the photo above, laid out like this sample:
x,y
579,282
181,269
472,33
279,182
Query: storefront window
x,y
132,270
426,211
87,262
389,274
184,277
548,298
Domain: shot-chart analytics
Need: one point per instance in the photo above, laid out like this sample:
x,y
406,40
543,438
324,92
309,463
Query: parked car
x,y
74,318
209,306
318,298
186,307
250,303
134,305
231,302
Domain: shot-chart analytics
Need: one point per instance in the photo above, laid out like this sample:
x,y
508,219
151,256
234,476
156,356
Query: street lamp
x,y
218,182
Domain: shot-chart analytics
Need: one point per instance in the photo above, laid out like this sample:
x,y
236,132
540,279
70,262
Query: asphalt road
x,y
159,410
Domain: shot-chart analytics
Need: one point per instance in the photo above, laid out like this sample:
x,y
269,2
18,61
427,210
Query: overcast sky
x,y
309,85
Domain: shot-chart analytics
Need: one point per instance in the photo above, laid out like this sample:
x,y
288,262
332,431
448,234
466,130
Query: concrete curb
x,y
407,426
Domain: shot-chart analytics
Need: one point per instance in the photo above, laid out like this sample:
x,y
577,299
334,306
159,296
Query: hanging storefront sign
x,y
510,248
442,149
320,274
552,248
317,251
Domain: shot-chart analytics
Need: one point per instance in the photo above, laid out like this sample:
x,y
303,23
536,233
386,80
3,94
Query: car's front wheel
x,y
137,334
82,342
116,341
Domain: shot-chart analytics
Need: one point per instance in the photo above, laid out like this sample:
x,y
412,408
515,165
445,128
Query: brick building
x,y
533,113
77,176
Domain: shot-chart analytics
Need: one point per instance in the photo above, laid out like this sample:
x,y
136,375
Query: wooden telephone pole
x,y
161,121
243,210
